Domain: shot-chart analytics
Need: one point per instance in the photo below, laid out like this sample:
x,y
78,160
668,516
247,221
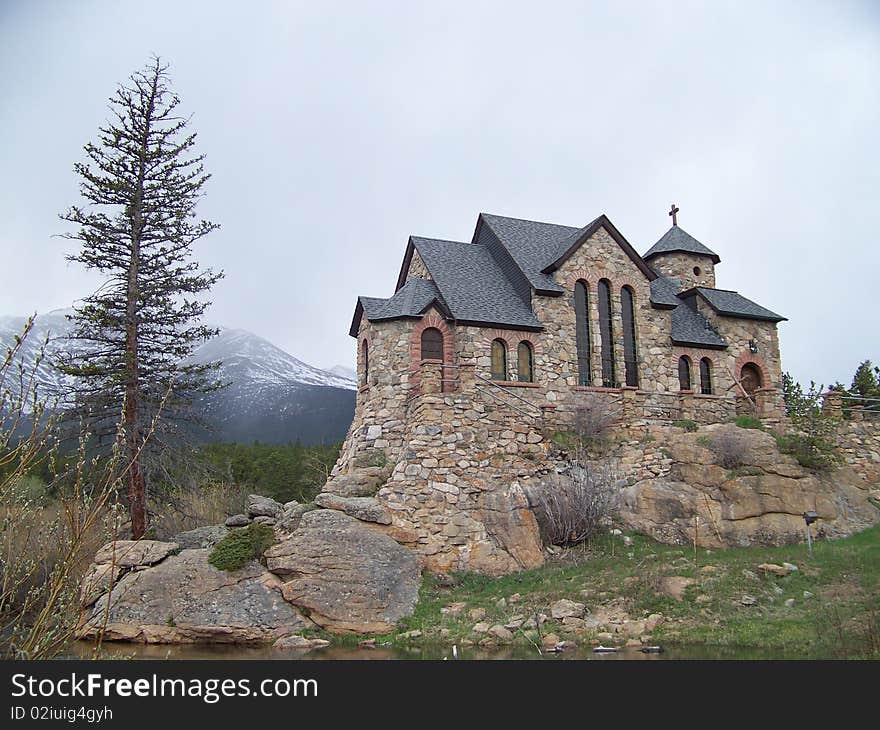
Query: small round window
x,y
697,271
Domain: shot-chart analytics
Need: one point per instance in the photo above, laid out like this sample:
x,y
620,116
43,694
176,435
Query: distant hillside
x,y
273,397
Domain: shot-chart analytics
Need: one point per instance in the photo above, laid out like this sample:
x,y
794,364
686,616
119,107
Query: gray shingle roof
x,y
692,328
409,301
664,292
677,239
533,245
489,281
473,286
733,304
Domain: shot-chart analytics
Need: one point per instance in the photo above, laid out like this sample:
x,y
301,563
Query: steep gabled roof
x,y
490,281
677,239
584,234
531,244
472,284
409,301
412,300
732,304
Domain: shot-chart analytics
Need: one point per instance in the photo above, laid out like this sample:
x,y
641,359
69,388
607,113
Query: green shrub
x,y
241,546
746,421
687,424
811,452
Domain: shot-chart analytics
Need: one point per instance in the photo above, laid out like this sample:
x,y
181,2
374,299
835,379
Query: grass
x,y
812,452
687,424
747,421
841,619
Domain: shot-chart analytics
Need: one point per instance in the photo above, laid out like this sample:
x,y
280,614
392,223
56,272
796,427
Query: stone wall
x,y
681,266
602,258
858,442
376,433
454,496
417,268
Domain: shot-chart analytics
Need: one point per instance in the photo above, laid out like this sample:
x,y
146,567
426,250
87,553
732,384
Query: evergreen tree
x,y
865,381
141,183
866,387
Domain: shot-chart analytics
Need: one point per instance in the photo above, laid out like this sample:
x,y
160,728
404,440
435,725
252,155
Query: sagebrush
x,y
571,507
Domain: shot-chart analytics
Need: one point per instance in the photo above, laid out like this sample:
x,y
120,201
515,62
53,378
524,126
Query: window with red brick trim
x,y
684,373
706,376
499,359
525,363
432,344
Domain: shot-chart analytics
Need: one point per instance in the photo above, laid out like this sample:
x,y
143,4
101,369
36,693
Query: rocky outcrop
x,y
134,553
184,599
201,537
346,575
260,506
366,509
759,501
513,538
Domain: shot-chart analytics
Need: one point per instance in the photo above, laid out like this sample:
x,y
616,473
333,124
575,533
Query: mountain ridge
x,y
271,396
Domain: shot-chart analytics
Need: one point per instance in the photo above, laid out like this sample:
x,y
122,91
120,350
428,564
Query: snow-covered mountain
x,y
47,334
248,357
272,396
344,372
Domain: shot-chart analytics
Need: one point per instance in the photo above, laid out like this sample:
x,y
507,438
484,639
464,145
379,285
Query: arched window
x,y
606,333
582,331
432,344
525,363
365,351
705,376
628,320
684,373
499,360
750,378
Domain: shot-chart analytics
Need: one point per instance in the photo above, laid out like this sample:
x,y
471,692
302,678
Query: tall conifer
x,y
132,338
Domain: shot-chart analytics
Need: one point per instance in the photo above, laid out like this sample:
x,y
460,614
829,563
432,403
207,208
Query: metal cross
x,y
673,212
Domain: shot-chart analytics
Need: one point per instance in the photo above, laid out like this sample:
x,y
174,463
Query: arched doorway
x,y
750,378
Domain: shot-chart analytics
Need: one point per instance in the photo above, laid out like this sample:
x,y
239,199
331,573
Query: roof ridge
x,y
442,240
713,288
530,220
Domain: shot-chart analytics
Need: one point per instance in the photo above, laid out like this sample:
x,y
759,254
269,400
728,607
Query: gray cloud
x,y
333,131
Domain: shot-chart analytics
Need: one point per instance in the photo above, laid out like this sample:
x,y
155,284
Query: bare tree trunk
x,y
137,492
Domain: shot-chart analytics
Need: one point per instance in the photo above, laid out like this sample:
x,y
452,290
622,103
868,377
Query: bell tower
x,y
679,255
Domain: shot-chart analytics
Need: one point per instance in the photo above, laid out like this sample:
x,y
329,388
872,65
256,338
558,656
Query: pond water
x,y
114,650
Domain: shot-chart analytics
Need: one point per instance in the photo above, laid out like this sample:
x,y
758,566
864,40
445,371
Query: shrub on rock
x,y
239,547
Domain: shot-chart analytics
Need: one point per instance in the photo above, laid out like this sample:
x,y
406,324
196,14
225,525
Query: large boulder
x,y
514,538
184,599
290,516
366,509
201,537
134,553
260,506
346,575
761,501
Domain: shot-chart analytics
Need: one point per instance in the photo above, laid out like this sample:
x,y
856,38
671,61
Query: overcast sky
x,y
335,130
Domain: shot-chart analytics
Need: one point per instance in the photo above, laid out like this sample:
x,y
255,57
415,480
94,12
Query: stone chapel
x,y
487,346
